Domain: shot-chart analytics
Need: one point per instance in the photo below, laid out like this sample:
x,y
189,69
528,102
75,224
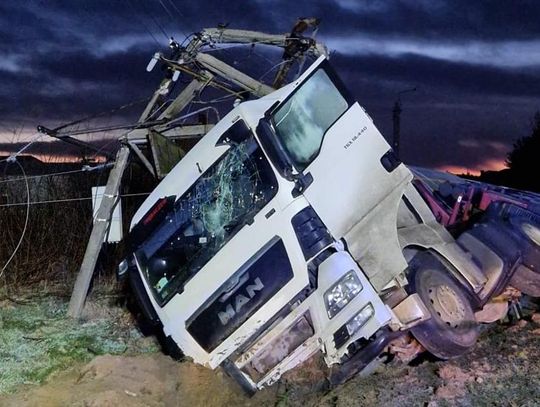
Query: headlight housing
x,y
341,293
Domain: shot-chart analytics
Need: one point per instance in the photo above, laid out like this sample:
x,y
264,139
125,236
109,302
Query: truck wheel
x,y
452,328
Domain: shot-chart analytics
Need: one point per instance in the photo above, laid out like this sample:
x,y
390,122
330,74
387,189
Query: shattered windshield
x,y
213,209
304,119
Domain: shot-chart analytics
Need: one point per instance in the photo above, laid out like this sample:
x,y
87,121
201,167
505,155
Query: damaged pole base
x,y
364,357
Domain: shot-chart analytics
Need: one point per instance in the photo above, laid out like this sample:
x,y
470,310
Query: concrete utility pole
x,y
396,119
80,290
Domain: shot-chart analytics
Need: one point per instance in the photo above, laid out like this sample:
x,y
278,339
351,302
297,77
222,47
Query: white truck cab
x,y
289,229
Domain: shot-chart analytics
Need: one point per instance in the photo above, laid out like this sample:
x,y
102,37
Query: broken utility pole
x,y
204,69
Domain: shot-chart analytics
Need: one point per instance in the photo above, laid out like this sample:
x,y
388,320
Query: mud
x,y
502,370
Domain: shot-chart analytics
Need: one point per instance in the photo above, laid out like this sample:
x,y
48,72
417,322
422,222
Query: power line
x,y
170,15
25,221
86,198
182,15
136,13
114,110
55,174
13,157
156,22
166,9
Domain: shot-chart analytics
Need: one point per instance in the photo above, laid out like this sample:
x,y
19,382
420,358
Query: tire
x,y
452,330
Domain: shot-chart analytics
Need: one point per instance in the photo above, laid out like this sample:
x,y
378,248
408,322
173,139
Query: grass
x,y
37,339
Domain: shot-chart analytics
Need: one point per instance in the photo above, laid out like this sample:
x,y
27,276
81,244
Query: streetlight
x,y
396,112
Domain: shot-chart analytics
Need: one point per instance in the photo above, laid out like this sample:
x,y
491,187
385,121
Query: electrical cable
x,y
196,112
114,110
216,100
272,68
156,22
54,174
136,13
86,198
186,20
166,10
25,221
13,157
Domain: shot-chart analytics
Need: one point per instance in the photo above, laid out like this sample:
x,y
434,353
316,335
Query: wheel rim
x,y
447,304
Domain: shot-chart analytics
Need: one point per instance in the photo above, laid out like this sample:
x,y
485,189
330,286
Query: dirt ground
x,y
503,370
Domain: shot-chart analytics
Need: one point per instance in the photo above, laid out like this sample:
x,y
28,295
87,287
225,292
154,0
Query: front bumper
x,y
306,330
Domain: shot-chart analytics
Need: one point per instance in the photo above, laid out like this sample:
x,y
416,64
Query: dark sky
x,y
476,63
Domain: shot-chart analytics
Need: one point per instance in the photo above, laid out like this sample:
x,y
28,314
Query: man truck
x,y
292,228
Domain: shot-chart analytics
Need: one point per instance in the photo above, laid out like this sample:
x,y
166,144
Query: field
x,y
49,360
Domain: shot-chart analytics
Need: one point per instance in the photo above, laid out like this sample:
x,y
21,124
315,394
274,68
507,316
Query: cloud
x,y
469,143
512,54
476,64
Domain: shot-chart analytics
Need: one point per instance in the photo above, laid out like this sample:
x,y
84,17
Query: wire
x,y
272,68
196,112
86,198
136,13
13,157
216,100
166,10
54,174
116,109
186,20
156,22
114,140
25,221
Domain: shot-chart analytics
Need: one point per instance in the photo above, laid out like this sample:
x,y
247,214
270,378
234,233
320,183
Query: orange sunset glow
x,y
494,164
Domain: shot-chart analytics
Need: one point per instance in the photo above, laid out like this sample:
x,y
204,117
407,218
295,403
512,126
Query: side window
x,y
303,120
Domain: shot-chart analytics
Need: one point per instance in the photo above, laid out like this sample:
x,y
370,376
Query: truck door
x,y
326,143
334,149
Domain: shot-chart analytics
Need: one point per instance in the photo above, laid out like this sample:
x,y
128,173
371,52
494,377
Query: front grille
x,y
254,284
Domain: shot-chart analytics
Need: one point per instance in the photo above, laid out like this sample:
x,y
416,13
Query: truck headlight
x,y
341,293
360,319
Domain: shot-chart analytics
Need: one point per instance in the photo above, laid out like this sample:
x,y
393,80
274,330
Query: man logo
x,y
239,301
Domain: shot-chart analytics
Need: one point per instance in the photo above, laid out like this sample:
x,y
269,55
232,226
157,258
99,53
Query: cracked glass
x,y
225,198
